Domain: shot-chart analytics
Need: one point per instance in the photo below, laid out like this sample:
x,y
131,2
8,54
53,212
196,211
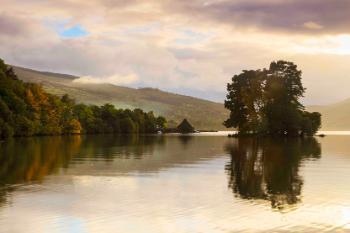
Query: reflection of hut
x,y
185,127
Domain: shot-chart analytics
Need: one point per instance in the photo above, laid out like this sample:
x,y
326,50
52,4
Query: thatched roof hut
x,y
185,127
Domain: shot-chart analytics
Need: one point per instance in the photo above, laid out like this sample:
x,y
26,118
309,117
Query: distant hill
x,y
334,116
202,114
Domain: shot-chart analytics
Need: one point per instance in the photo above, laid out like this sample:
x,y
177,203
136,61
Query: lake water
x,y
174,184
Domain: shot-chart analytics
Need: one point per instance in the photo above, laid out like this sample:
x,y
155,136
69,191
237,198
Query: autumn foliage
x,y
26,110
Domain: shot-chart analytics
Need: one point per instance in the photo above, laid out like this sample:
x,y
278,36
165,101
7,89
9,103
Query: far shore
x,y
198,133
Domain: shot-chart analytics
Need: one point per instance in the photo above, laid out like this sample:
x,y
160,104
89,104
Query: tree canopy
x,y
268,102
26,109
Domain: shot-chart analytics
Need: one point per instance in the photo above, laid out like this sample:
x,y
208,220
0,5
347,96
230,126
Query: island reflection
x,y
268,169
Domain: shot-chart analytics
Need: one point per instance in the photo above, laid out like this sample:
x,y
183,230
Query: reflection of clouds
x,y
346,217
69,224
127,203
176,200
191,196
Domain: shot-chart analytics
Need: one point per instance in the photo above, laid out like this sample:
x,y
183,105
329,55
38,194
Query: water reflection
x,y
25,160
185,140
123,147
30,160
268,169
173,184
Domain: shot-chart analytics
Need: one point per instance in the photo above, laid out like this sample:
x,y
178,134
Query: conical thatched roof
x,y
185,127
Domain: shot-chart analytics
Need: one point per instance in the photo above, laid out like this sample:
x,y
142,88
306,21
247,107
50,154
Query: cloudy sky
x,y
189,47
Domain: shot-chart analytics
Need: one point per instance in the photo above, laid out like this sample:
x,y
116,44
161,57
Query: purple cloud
x,y
294,15
12,26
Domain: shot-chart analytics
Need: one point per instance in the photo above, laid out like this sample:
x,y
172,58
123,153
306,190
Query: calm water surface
x,y
174,184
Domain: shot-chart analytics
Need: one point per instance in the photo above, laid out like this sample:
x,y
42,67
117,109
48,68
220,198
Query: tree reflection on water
x,y
268,168
30,160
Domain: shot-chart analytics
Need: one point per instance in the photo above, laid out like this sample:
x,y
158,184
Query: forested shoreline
x,y
27,110
261,102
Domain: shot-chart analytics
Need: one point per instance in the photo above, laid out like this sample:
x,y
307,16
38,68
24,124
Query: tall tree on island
x,y
244,100
267,102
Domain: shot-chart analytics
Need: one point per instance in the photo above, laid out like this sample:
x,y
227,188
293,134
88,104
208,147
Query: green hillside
x,y
202,114
334,116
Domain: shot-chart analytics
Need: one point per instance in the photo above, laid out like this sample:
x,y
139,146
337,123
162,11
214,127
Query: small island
x,y
266,102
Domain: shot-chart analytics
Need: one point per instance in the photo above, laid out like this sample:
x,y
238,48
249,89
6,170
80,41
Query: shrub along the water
x,y
26,110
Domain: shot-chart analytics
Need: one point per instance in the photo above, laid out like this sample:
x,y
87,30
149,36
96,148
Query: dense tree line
x,y
26,109
267,102
108,119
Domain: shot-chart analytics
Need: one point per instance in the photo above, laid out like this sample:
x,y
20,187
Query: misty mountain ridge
x,y
334,116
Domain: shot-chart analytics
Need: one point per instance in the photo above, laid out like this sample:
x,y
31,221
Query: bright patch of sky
x,y
65,30
72,32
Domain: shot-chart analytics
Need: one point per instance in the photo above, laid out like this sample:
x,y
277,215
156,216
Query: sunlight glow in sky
x,y
191,47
